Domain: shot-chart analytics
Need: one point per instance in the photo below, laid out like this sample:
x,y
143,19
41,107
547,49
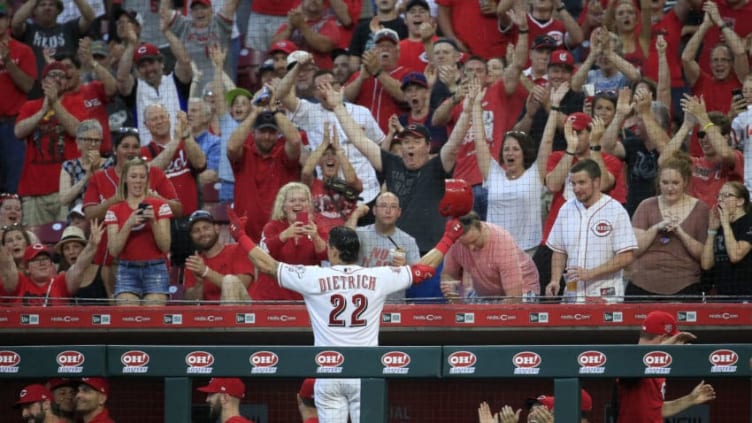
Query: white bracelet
x,y
206,272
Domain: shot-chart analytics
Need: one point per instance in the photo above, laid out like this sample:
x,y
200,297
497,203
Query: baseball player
x,y
35,402
223,397
642,400
593,238
344,301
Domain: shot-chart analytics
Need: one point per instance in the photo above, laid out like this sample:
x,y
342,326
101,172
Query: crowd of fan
x,y
137,125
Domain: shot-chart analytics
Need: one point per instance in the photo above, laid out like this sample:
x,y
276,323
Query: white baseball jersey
x,y
344,302
592,236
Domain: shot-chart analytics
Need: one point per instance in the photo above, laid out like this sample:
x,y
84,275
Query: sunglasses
x,y
128,130
9,196
17,225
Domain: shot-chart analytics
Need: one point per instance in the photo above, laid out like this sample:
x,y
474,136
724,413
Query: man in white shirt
x,y
592,239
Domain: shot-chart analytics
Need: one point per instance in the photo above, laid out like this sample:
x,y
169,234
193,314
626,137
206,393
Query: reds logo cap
x,y
33,250
32,394
660,323
225,385
586,402
580,120
562,58
146,51
285,46
98,383
306,389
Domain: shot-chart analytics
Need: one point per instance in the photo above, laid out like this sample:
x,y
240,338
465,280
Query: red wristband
x,y
444,244
246,243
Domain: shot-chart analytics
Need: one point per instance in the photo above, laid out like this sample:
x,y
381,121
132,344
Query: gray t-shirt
x,y
62,38
198,40
376,250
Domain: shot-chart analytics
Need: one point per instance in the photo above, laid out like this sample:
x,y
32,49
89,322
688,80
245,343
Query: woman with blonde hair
x,y
138,230
671,229
729,241
290,236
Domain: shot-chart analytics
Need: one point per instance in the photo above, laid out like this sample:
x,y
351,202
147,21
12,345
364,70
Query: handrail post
x,y
567,404
177,395
374,404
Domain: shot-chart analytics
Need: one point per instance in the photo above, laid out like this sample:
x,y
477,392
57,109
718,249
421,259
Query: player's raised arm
x,y
260,258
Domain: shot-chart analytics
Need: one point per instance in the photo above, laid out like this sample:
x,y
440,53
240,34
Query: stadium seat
x,y
219,211
50,233
210,192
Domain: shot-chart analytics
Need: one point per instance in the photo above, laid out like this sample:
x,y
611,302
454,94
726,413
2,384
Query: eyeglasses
x,y
518,133
17,225
725,195
90,140
606,93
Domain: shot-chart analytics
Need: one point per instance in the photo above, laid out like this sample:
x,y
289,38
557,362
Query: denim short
x,y
142,277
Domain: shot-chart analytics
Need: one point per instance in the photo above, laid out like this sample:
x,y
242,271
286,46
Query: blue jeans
x,y
142,277
480,200
12,152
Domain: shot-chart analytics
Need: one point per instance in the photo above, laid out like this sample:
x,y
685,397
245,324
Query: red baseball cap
x,y
285,46
561,57
33,250
580,120
206,3
98,383
58,382
660,323
53,66
32,394
306,389
146,51
226,385
586,402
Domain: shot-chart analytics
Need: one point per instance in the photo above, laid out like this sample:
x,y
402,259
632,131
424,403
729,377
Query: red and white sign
x,y
329,362
592,362
527,363
9,361
263,362
135,361
462,362
657,363
723,361
70,361
199,362
395,362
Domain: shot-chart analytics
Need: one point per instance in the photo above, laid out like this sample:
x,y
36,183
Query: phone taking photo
x,y
302,217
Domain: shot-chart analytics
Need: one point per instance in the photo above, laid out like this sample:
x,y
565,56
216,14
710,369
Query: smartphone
x,y
737,92
302,217
142,207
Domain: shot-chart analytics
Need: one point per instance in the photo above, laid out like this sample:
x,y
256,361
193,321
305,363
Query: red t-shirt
x,y
708,177
300,251
140,245
103,417
232,260
257,180
641,400
103,185
553,27
670,27
13,97
500,112
326,26
180,172
238,419
47,147
618,192
717,94
30,293
480,33
741,22
413,54
374,96
94,101
273,7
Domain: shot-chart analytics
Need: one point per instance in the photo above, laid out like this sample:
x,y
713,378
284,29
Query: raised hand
x,y
598,127
237,224
453,229
484,413
557,94
217,54
96,232
332,97
624,102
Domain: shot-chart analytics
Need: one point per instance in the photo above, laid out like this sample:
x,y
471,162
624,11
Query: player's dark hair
x,y
346,241
589,166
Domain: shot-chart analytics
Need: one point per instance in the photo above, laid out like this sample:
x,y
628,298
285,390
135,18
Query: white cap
x,y
78,209
296,56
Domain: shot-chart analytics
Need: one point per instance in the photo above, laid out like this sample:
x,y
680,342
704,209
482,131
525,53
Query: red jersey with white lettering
x,y
232,260
180,172
140,245
709,176
103,185
641,400
53,293
94,101
344,302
